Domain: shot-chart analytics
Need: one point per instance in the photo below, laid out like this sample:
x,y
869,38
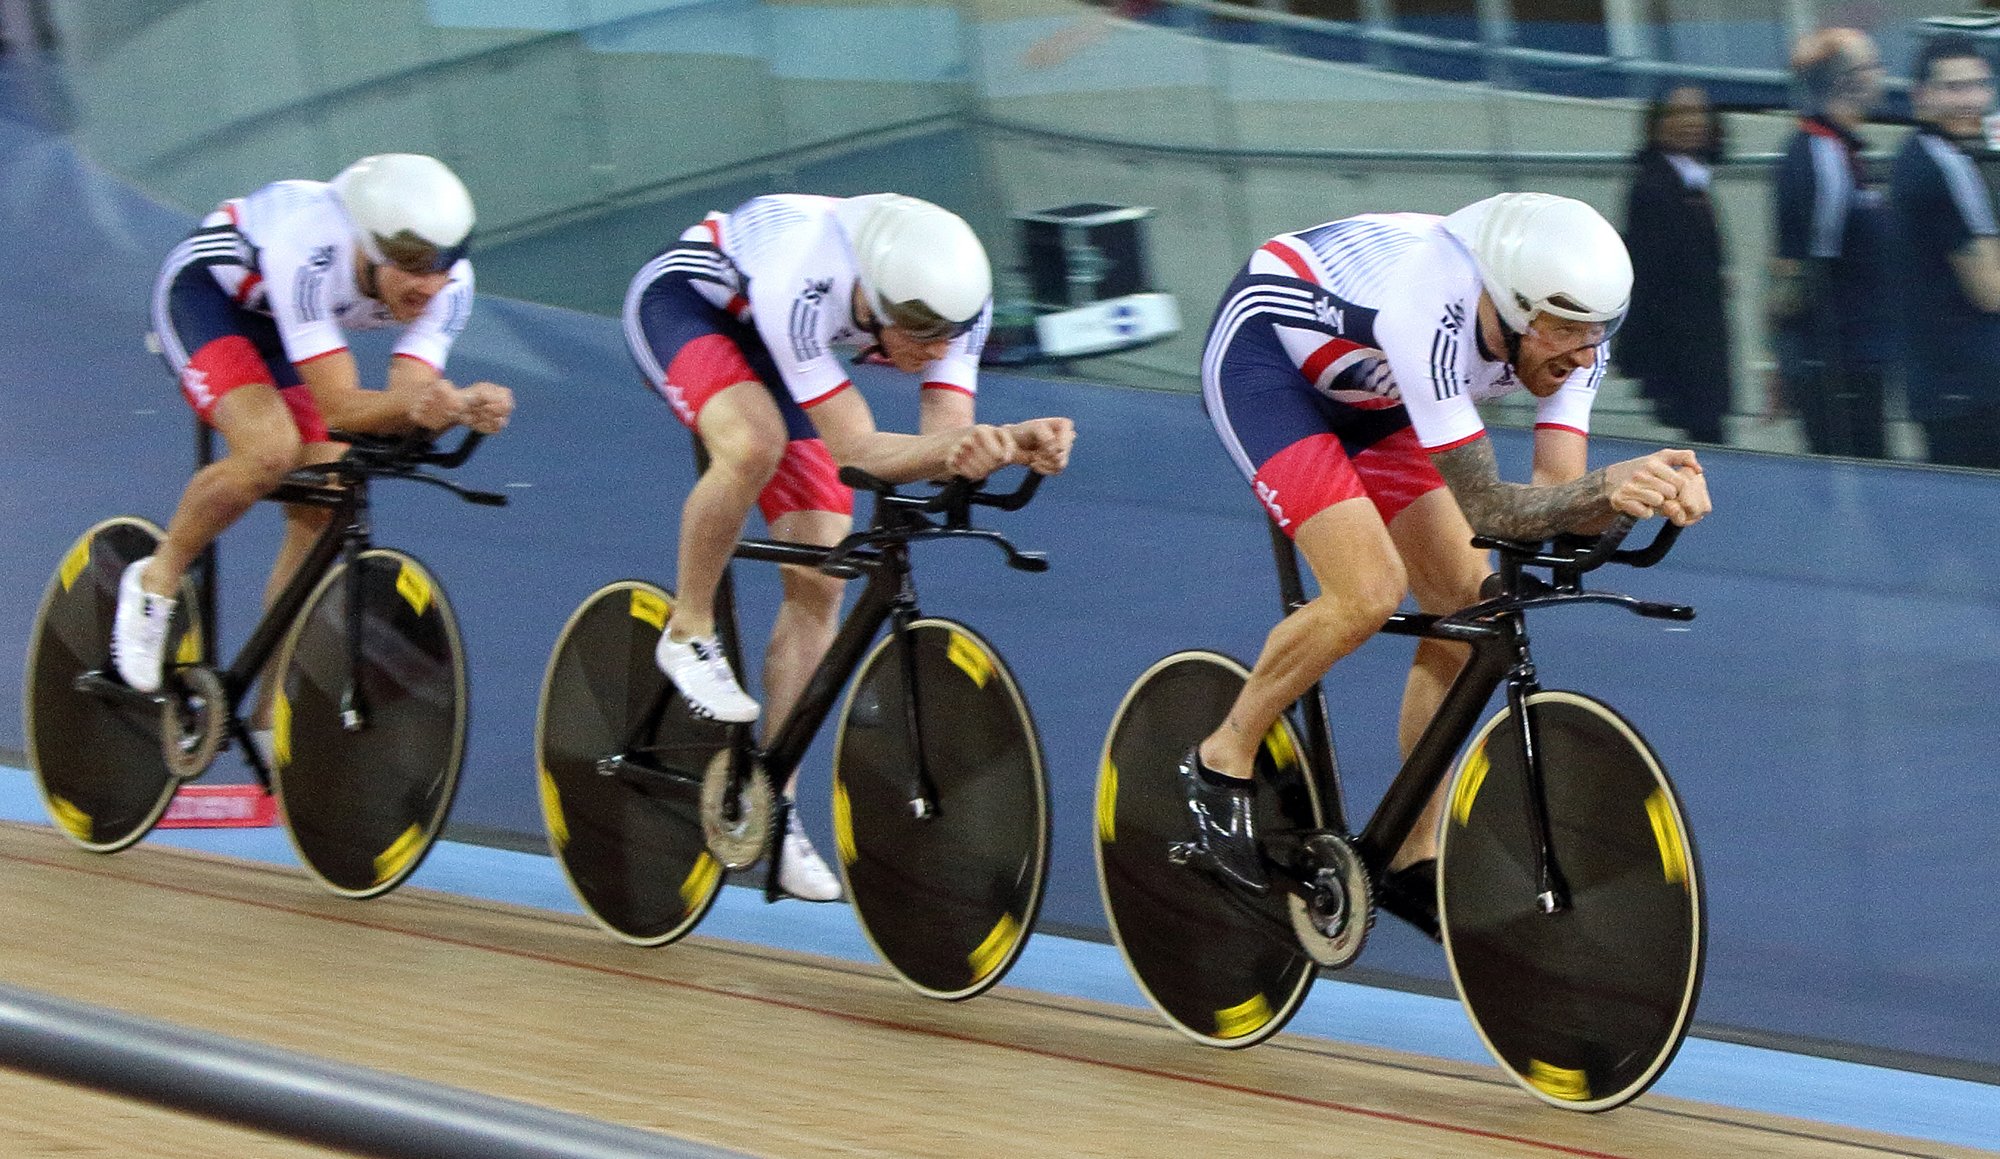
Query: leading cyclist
x,y
249,312
1341,374
736,325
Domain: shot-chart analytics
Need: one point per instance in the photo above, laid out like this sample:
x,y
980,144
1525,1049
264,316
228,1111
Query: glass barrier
x,y
592,131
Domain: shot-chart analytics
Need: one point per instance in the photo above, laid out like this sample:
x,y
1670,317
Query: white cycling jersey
x,y
1390,317
790,273
287,251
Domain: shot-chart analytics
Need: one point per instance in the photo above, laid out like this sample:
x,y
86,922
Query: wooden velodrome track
x,y
756,1050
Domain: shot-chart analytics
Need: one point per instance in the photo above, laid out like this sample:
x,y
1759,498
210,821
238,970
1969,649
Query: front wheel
x,y
98,759
948,897
1585,1007
368,740
1223,967
621,763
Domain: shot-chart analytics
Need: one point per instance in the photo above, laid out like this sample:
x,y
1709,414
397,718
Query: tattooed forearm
x,y
1513,510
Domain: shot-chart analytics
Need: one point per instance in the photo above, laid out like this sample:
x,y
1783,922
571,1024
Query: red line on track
x,y
841,1015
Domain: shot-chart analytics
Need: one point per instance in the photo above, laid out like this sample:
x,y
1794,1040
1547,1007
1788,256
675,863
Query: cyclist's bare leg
x,y
807,619
263,442
1361,582
745,438
1445,572
303,525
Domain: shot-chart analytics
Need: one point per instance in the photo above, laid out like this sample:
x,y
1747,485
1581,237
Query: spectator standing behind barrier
x,y
1829,325
1948,262
1676,339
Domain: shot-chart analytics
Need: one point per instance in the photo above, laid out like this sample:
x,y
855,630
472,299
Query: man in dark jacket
x,y
1832,326
1949,259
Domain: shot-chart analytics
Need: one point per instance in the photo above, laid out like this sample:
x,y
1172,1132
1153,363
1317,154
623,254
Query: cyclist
x,y
249,312
1341,373
735,325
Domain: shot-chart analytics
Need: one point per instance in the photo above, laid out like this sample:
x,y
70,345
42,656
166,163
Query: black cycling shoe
x,y
1225,836
1411,894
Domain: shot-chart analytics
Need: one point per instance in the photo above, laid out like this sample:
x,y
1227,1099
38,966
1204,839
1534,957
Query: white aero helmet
x,y
408,210
921,267
1539,253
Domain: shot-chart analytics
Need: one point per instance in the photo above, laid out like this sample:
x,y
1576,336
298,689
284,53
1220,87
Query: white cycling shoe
x,y
139,630
700,669
801,871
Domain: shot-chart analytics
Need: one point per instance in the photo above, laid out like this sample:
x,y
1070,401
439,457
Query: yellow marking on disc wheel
x,y
552,811
1476,768
190,650
414,587
970,658
993,951
1558,1082
1107,803
1245,1017
648,608
400,853
701,879
1673,853
74,821
1278,742
281,730
843,823
72,564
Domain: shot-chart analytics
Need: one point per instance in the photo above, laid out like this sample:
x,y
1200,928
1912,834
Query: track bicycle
x,y
1569,898
940,800
368,705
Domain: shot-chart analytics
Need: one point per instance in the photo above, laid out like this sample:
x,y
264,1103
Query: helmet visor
x,y
1561,321
923,323
415,255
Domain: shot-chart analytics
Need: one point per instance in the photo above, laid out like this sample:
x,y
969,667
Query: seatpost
x,y
205,564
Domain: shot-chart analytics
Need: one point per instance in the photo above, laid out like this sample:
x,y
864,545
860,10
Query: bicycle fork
x,y
1552,888
921,791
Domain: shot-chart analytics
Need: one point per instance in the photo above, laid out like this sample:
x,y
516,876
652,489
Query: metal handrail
x,y
362,1111
1426,157
1452,46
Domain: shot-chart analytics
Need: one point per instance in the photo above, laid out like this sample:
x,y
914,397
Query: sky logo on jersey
x,y
321,257
1268,496
818,288
195,382
677,398
1454,317
1329,314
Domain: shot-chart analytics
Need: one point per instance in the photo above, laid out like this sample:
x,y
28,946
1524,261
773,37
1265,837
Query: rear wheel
x,y
947,899
621,762
1223,967
1583,1008
367,747
99,758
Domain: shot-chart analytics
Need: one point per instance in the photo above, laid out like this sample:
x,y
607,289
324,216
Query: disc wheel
x,y
367,747
620,760
1583,1008
98,760
947,898
1222,967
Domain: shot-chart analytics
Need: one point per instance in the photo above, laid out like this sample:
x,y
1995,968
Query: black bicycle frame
x,y
1499,654
889,597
